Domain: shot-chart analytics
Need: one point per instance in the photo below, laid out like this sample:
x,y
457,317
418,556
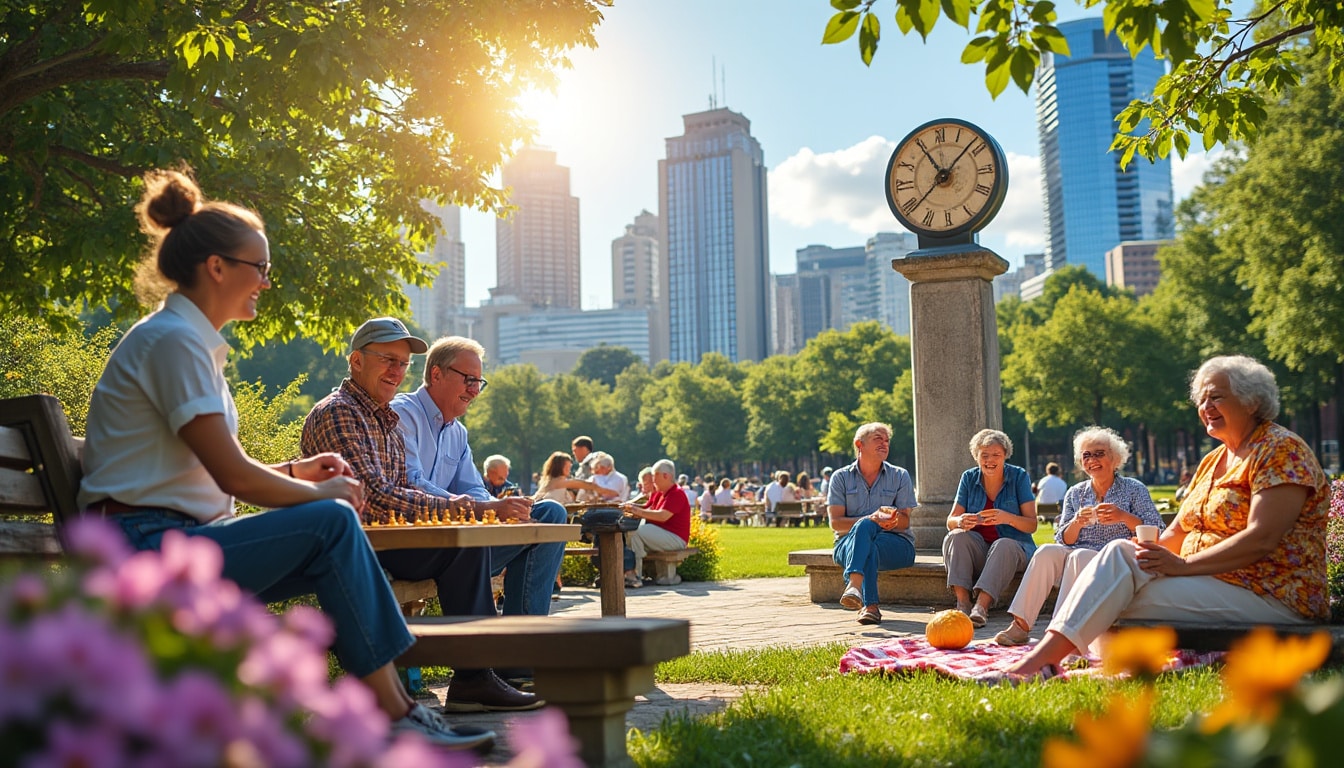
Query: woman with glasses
x,y
990,526
1104,507
1248,545
162,451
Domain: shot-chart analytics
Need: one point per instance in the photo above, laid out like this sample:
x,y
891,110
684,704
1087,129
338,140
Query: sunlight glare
x,y
543,107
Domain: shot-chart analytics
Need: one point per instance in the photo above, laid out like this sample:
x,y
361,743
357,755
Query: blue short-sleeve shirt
x,y
1016,491
892,488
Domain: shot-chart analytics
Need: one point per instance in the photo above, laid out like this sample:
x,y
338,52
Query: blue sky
x,y
826,123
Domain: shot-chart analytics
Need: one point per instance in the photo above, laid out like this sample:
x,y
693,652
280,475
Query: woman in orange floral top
x,y
1248,545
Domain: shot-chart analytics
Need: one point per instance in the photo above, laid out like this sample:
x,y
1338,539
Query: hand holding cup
x,y
1146,534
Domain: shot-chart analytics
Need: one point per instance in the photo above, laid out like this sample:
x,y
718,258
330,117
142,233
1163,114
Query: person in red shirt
x,y
666,521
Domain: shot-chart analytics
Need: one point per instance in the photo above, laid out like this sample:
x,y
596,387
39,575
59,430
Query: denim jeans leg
x,y
531,568
315,548
854,551
461,575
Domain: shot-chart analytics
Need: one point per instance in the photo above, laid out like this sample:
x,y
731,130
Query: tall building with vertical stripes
x,y
537,247
712,211
1091,205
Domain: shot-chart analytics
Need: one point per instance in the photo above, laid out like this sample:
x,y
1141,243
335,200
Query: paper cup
x,y
1146,533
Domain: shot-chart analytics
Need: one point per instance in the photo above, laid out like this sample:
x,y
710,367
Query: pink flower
x,y
261,728
132,586
27,592
543,741
97,540
90,745
194,719
309,623
23,685
286,665
348,718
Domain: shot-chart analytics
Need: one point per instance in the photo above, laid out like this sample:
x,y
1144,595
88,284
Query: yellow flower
x,y
1140,651
1116,740
1260,671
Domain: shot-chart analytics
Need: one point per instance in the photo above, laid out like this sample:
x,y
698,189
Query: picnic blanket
x,y
982,660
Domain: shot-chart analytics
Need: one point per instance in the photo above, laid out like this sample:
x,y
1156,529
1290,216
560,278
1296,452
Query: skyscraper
x,y
890,289
634,264
438,307
1091,205
537,248
712,201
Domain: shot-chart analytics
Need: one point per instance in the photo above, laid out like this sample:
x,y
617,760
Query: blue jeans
x,y
867,549
532,567
315,548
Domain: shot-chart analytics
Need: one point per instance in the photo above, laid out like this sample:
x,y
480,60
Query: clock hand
x,y
960,155
931,160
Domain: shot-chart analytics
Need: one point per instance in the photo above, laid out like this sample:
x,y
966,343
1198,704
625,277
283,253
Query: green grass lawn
x,y
806,713
755,553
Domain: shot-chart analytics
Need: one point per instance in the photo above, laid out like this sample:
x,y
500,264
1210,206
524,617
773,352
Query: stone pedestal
x,y
955,350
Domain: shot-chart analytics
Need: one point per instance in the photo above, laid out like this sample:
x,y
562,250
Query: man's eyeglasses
x,y
469,380
1093,455
264,267
388,360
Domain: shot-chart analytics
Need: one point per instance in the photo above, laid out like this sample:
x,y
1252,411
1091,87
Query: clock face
x,y
946,178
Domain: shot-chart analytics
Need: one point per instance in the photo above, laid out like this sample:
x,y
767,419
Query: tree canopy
x,y
1226,69
334,120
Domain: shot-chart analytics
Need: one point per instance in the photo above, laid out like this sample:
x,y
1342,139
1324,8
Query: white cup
x,y
1146,533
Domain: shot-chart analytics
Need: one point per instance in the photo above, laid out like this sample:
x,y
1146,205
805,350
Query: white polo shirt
x,y
167,370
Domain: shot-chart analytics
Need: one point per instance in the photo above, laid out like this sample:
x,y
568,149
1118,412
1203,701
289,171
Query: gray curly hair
x,y
987,437
1094,434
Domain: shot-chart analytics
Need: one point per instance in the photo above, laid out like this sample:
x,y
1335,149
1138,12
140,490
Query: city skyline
x,y
826,125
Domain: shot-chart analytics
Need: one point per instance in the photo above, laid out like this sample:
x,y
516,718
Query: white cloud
x,y
841,187
1188,173
845,187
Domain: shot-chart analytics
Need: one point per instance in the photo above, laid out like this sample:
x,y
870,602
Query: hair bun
x,y
170,197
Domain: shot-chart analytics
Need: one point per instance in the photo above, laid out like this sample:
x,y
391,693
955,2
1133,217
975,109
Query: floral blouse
x,y
1216,508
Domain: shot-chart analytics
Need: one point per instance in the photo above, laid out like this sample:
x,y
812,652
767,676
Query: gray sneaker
x,y
438,732
1013,635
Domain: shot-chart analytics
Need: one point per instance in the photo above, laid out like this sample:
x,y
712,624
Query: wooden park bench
x,y
722,513
788,513
39,476
924,583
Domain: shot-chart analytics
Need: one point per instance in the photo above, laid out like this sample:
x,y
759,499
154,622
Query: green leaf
x,y
977,50
1182,141
845,5
957,11
868,37
1049,38
1023,67
996,78
840,28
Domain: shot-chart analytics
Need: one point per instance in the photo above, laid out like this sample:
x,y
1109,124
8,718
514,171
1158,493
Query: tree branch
x,y
88,69
98,163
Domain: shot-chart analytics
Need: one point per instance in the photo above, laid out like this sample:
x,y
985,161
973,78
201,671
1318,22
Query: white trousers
x,y
650,538
1052,565
1113,586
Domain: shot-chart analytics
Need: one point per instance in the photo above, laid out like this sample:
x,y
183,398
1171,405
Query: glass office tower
x,y
711,190
1091,205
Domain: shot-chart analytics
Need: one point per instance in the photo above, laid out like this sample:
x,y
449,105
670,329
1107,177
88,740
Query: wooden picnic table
x,y
611,558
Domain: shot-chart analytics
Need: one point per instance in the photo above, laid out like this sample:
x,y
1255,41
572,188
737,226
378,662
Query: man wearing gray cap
x,y
357,422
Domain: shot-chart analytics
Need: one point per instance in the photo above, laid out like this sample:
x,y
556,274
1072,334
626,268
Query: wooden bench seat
x,y
664,564
39,476
592,669
924,583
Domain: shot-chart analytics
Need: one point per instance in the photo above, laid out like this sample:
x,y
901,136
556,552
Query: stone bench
x,y
592,669
924,583
664,565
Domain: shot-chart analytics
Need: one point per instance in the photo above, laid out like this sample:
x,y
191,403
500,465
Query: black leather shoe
x,y
487,693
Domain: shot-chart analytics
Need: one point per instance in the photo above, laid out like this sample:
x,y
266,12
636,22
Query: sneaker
x,y
1013,635
870,615
487,693
852,599
436,731
978,616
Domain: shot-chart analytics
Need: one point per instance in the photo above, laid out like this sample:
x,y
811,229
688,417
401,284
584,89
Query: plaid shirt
x,y
365,434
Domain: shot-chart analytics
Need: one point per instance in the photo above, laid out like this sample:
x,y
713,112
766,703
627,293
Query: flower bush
x,y
152,659
703,566
1334,550
1269,714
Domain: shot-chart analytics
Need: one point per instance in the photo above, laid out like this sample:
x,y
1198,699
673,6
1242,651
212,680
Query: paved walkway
x,y
748,613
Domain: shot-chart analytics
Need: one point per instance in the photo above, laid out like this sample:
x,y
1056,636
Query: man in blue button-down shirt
x,y
439,461
869,505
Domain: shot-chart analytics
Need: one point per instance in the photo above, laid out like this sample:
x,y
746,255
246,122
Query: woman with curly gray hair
x,y
1248,545
1104,507
990,526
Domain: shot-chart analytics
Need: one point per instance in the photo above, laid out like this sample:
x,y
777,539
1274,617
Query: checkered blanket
x,y
981,660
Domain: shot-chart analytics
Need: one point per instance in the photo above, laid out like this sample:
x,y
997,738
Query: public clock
x,y
946,181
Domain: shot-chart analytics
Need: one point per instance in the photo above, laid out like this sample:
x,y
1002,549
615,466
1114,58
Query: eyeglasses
x,y
1093,455
264,267
469,380
389,361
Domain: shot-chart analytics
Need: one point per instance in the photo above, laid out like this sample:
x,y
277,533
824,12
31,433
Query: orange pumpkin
x,y
949,630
